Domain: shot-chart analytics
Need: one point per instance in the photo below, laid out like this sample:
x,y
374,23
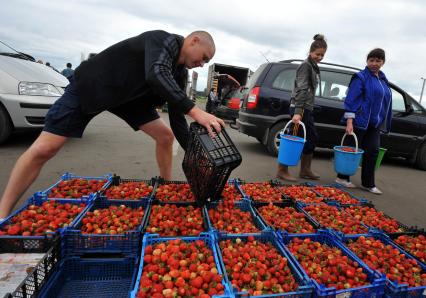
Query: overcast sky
x,y
60,31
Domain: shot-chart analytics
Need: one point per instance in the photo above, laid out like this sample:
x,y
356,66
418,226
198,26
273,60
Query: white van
x,y
27,91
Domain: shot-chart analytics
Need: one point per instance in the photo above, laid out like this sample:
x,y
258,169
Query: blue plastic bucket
x,y
290,147
347,163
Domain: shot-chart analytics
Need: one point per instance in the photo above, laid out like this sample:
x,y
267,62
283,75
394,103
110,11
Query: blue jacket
x,y
369,101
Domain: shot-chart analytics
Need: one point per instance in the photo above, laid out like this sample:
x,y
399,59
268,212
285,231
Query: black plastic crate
x,y
32,284
208,162
117,180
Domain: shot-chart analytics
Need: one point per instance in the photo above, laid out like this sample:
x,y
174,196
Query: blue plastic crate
x,y
304,184
69,176
179,204
361,201
208,238
401,226
234,183
374,289
79,277
117,180
305,288
273,183
412,233
34,244
77,243
159,182
244,206
393,289
291,204
321,226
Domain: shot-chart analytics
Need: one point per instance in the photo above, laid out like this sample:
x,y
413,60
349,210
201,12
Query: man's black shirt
x,y
143,67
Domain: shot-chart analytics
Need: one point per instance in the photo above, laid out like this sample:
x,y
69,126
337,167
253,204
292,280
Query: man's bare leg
x,y
28,167
163,136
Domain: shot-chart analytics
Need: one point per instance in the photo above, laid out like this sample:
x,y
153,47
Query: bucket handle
x,y
356,140
300,122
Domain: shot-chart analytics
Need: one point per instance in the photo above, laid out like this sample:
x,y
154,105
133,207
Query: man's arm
x,y
159,56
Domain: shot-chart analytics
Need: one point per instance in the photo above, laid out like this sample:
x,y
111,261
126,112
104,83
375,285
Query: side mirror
x,y
409,109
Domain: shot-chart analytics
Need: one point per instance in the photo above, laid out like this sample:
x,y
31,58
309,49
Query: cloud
x,y
61,30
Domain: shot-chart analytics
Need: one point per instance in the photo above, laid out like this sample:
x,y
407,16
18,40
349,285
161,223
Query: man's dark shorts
x,y
65,117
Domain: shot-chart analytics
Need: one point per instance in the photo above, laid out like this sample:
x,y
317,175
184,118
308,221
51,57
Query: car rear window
x,y
285,80
252,81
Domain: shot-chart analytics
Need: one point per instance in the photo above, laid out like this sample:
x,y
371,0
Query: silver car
x,y
27,91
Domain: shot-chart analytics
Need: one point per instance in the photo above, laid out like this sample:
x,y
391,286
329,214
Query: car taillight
x,y
253,97
234,103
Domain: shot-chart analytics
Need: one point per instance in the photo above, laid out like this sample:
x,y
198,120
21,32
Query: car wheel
x,y
421,158
274,138
5,125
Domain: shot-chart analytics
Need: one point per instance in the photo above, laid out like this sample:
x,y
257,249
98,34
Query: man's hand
x,y
207,120
349,126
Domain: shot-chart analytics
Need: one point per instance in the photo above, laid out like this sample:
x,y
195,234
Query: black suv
x,y
265,110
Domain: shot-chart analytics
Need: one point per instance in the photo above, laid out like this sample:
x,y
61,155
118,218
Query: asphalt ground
x,y
110,146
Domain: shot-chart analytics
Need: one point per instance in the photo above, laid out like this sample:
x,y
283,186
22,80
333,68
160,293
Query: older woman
x,y
368,112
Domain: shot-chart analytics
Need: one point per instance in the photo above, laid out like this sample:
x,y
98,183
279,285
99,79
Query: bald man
x,y
129,79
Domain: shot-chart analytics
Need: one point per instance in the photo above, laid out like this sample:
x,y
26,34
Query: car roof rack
x,y
325,63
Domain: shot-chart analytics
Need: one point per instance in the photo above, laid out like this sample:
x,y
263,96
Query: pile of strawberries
x,y
230,193
287,219
262,192
38,220
373,218
229,218
172,220
179,269
256,267
331,217
336,194
112,220
129,191
327,265
416,245
175,192
76,188
388,260
301,193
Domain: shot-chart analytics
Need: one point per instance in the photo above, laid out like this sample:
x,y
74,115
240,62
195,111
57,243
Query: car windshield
x,y
6,49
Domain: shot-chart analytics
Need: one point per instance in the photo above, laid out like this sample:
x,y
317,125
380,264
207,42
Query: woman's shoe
x,y
373,189
345,183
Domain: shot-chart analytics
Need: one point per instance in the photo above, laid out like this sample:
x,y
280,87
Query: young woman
x,y
302,105
368,111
